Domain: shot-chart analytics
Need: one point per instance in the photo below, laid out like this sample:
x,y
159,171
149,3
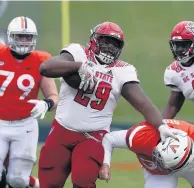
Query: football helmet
x,y
182,41
106,42
173,155
22,34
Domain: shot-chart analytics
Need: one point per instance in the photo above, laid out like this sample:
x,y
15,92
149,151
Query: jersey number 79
x,y
9,76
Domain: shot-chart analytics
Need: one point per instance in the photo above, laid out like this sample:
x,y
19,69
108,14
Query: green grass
x,y
122,178
146,25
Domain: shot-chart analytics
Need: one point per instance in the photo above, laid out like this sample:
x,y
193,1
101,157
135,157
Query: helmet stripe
x,y
25,21
22,22
186,156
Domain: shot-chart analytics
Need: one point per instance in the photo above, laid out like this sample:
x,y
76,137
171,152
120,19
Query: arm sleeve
x,y
127,74
77,51
115,139
170,81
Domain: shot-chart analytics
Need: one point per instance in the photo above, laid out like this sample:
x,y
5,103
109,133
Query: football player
x,y
20,82
179,76
163,162
84,115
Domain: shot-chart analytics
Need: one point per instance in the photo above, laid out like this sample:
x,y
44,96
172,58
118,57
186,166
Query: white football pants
x,y
19,139
168,181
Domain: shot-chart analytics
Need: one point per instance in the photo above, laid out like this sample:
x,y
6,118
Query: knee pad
x,y
17,181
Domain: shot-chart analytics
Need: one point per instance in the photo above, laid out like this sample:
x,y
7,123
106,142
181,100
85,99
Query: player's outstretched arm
x,y
59,66
134,94
175,102
115,139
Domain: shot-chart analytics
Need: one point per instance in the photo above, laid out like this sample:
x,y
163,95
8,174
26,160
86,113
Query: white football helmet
x,y
22,34
173,155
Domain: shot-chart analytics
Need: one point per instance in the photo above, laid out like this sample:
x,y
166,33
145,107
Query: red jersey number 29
x,y
102,94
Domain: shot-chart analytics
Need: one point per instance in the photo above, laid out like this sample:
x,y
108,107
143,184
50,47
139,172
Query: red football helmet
x,y
106,42
182,41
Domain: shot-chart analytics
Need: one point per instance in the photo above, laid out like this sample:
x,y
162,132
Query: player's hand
x,y
166,131
104,173
87,75
40,109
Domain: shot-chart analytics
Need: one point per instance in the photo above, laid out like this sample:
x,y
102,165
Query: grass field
x,y
126,172
146,25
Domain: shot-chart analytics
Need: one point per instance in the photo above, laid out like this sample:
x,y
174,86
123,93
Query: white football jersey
x,y
93,110
180,79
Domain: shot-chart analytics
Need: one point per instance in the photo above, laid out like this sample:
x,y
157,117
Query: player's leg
x,y
159,181
87,157
23,153
55,160
3,181
19,171
4,145
33,183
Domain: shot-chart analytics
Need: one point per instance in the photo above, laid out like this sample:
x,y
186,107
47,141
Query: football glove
x,y
87,75
40,109
166,131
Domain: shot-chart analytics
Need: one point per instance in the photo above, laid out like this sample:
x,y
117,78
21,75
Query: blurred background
x,y
146,25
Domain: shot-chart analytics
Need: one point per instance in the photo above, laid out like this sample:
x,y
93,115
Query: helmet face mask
x,y
109,48
22,39
22,43
106,43
182,50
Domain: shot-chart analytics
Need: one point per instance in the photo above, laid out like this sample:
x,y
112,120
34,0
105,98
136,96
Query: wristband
x,y
50,103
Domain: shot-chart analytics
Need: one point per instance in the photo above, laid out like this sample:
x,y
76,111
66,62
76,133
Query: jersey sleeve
x,y
77,51
115,139
127,74
170,80
142,139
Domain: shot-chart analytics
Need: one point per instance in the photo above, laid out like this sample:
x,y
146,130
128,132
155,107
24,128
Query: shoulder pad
x,y
42,55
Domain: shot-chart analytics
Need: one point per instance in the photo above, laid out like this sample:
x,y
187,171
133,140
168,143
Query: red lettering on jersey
x,y
192,75
185,79
176,67
102,94
104,77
